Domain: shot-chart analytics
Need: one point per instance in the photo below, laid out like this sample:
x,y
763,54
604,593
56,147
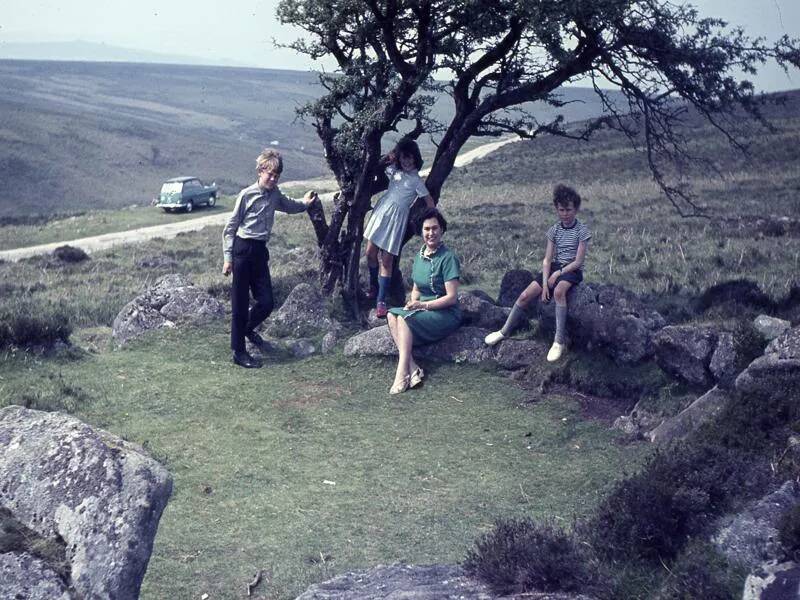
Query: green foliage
x,y
519,556
26,324
599,375
652,514
789,531
702,572
70,254
758,422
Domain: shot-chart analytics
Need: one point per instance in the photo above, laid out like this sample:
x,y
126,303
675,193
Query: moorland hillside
x,y
308,468
80,135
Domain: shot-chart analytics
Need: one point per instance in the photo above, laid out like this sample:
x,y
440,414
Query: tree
x,y
493,56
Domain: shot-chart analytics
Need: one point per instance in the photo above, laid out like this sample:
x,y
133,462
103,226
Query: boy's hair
x,y
563,195
269,158
408,146
431,213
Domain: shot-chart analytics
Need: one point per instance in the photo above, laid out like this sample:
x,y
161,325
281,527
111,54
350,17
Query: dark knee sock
x,y
515,317
373,277
383,285
561,323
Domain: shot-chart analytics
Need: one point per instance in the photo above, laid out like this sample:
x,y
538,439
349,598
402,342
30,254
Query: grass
x,y
99,222
501,207
416,479
304,471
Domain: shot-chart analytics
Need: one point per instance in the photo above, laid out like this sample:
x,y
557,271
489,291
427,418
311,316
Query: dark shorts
x,y
574,277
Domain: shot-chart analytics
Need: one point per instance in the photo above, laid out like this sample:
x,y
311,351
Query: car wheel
x,y
212,200
167,210
189,206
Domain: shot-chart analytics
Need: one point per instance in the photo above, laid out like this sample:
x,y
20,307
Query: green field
x,y
308,468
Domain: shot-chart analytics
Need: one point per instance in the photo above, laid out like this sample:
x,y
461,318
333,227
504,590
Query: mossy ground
x,y
305,470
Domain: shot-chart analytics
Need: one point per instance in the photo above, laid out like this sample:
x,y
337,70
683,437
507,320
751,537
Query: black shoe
x,y
243,359
257,341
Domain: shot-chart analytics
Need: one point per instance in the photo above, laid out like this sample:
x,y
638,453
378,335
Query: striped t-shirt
x,y
566,240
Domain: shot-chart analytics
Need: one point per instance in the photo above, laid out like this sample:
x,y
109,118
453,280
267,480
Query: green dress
x,y
430,274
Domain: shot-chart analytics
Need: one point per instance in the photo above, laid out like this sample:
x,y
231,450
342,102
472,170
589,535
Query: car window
x,y
171,187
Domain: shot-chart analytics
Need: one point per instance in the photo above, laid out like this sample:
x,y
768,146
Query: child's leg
x,y
560,295
372,265
261,288
240,295
517,313
385,278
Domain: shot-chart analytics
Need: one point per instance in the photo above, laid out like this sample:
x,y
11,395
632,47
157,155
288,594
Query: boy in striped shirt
x,y
567,242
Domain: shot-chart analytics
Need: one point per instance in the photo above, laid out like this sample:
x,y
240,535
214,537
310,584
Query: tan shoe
x,y
416,377
398,387
556,351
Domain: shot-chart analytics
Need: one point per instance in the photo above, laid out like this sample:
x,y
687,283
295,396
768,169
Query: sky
x,y
241,32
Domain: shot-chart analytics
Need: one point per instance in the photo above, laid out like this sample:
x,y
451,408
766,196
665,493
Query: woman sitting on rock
x,y
432,311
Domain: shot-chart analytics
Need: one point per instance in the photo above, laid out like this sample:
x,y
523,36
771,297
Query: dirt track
x,y
170,230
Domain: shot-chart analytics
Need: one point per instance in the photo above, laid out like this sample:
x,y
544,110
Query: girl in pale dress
x,y
387,225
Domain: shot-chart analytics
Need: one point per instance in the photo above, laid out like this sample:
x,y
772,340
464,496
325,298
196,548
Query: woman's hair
x,y
563,195
431,213
270,158
408,146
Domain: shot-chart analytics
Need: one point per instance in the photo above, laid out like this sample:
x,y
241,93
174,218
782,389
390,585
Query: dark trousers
x,y
250,274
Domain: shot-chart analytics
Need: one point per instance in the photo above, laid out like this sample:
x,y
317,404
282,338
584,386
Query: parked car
x,y
185,193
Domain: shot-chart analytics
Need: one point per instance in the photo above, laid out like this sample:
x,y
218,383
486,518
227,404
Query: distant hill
x,y
80,50
78,135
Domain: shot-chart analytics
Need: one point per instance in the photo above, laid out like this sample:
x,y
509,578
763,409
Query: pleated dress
x,y
387,225
430,274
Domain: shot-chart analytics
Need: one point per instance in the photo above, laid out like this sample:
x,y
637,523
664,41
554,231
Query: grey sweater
x,y
254,214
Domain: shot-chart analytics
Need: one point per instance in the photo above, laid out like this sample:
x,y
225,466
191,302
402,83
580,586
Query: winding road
x,y
170,230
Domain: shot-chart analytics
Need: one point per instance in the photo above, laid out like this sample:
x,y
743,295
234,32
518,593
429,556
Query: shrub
x,y
702,572
26,324
70,254
755,422
789,530
738,291
651,514
518,556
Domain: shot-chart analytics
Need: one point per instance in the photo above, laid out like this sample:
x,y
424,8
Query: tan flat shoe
x,y
416,377
398,387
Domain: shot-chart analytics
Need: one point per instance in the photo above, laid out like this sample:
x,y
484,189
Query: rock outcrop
x,y
26,577
751,537
777,371
610,319
171,301
685,351
770,327
773,581
512,285
424,582
463,345
702,410
98,495
699,355
478,311
413,582
304,313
